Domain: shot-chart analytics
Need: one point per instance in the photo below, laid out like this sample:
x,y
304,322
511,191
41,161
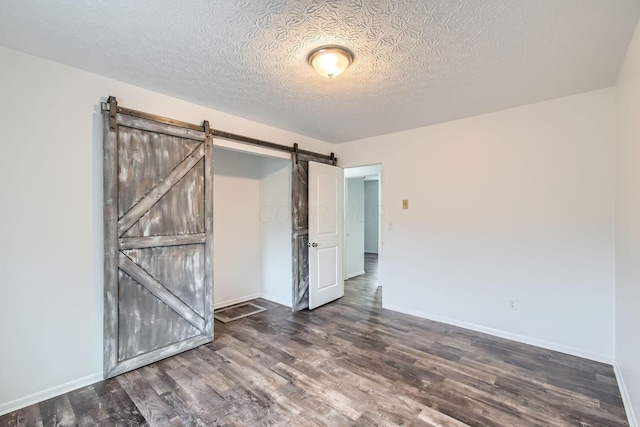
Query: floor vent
x,y
238,311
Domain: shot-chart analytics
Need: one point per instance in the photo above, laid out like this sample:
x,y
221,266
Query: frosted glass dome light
x,y
330,61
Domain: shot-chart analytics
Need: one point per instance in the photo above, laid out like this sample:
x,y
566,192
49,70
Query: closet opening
x,y
252,222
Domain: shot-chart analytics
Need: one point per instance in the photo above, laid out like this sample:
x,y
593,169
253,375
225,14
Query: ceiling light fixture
x,y
330,61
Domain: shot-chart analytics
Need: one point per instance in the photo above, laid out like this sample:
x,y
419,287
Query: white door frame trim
x,y
354,171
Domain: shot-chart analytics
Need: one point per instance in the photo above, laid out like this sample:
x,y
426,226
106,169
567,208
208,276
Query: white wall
x,y
275,231
237,252
628,231
252,223
517,204
354,227
51,218
371,216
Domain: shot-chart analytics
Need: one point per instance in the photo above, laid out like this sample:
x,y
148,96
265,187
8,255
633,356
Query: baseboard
x,y
626,399
573,351
276,300
356,274
40,396
227,303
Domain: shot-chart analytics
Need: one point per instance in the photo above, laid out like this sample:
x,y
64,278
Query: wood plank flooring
x,y
349,363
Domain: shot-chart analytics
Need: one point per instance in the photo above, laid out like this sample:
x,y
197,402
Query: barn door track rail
x,y
112,106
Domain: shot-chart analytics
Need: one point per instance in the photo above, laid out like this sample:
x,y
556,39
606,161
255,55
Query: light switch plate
x,y
405,204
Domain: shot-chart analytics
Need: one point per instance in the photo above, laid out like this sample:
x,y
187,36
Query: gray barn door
x,y
158,217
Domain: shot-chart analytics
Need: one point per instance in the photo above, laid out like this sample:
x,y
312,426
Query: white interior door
x,y
326,200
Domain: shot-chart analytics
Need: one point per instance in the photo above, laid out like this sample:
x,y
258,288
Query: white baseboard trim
x,y
573,351
357,273
40,396
239,300
626,400
276,300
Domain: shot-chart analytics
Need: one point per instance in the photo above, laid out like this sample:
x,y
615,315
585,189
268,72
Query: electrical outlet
x,y
513,304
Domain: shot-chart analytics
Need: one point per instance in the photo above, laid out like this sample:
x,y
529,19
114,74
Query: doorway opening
x,y
261,221
363,237
252,222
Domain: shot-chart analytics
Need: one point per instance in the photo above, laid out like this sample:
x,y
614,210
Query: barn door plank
x,y
158,213
158,127
157,192
157,289
159,354
157,241
186,193
208,230
110,184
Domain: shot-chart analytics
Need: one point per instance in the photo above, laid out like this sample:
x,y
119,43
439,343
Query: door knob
x,y
309,244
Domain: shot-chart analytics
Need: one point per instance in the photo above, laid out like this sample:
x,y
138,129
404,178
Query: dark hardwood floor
x,y
347,363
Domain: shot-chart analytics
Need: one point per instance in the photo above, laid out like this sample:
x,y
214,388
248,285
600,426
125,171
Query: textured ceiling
x,y
416,62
